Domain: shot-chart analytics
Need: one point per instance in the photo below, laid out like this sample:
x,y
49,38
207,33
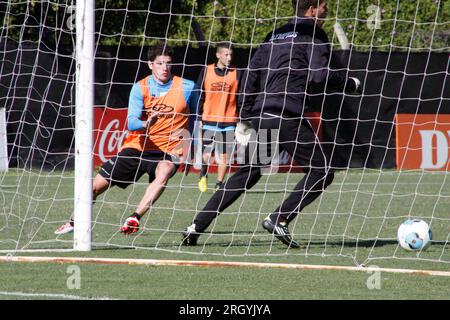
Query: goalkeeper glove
x,y
243,132
353,85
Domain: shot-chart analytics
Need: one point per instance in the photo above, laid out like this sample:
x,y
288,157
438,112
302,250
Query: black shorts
x,y
130,165
220,141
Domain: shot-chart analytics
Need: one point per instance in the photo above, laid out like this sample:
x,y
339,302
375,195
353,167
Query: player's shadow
x,y
351,244
211,242
255,239
367,243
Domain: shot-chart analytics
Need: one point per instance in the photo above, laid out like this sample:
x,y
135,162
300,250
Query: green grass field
x,y
354,222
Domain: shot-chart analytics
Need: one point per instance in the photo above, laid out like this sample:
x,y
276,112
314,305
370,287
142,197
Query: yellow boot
x,y
203,184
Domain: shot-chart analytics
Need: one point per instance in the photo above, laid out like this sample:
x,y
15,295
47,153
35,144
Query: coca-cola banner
x,y
110,131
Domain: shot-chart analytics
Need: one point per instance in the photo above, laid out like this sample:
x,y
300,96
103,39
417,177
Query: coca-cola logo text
x,y
111,139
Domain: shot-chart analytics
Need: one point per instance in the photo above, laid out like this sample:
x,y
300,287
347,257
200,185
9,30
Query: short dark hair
x,y
224,45
159,50
300,6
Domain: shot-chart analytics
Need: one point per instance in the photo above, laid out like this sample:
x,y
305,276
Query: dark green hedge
x,y
403,24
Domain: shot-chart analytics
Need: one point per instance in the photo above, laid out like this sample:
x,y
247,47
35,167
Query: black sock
x,y
136,215
204,171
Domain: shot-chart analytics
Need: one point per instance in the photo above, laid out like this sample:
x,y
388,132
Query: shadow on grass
x,y
171,239
209,241
352,244
268,191
304,244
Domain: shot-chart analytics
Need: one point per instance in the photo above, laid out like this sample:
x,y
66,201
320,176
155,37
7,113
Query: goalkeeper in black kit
x,y
272,100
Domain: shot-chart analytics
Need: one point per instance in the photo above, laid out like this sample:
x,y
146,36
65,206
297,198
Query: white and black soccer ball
x,y
414,235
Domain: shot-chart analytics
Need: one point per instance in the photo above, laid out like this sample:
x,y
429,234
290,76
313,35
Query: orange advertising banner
x,y
422,141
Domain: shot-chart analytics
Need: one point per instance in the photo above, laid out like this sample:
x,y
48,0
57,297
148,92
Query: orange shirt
x,y
167,133
220,96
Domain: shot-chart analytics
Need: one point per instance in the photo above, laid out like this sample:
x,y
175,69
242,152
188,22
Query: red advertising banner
x,y
109,133
422,141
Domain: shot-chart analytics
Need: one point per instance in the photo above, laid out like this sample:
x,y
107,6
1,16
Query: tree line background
x,y
402,24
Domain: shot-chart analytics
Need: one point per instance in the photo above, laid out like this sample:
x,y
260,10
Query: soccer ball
x,y
414,235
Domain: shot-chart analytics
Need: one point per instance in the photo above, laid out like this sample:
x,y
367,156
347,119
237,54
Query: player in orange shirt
x,y
157,141
217,109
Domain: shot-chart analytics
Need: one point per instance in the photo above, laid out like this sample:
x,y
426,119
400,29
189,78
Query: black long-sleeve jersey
x,y
291,58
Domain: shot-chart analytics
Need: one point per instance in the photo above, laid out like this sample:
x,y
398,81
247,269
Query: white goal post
x,y
3,142
84,123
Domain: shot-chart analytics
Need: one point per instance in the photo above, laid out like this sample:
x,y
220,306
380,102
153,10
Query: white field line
x,y
50,295
153,262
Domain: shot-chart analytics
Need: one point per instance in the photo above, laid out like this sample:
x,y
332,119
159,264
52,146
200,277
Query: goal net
x,y
389,146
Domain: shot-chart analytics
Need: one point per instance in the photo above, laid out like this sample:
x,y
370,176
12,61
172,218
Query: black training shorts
x,y
130,165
